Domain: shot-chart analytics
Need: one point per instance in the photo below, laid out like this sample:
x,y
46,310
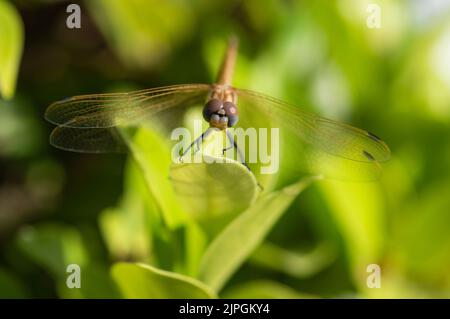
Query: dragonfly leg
x,y
197,142
238,150
241,156
227,149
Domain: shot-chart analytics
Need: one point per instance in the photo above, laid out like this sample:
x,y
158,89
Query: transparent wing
x,y
88,140
323,146
89,123
108,110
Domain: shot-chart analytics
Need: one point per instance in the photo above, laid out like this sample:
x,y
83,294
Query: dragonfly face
x,y
221,111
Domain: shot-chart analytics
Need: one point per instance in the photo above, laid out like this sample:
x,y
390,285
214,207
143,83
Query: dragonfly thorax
x,y
220,114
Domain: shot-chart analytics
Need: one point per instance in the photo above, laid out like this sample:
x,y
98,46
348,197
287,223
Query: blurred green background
x,y
110,213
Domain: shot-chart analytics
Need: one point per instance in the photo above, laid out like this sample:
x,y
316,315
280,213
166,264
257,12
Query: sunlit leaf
x,y
11,44
152,155
144,281
95,282
125,238
213,189
196,243
238,240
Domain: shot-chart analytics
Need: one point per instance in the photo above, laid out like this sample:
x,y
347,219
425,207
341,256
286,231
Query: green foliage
x,y
156,229
144,281
231,247
11,44
144,146
208,192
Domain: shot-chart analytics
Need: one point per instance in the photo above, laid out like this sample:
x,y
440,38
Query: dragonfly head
x,y
220,114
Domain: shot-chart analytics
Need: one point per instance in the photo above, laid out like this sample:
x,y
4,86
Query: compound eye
x,y
211,107
230,109
232,113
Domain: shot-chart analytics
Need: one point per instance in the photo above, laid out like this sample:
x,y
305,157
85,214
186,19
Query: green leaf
x,y
124,236
239,239
144,281
263,289
211,188
11,44
206,189
152,155
95,282
195,245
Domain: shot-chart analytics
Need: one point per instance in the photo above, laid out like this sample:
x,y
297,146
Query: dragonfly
x,y
89,123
